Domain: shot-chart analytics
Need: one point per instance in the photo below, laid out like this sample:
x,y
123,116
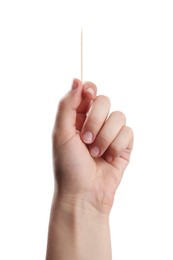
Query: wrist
x,y
76,208
81,231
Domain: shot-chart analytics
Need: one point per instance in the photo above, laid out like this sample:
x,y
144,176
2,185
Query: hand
x,y
90,153
91,149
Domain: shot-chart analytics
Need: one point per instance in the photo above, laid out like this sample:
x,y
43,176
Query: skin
x,y
91,150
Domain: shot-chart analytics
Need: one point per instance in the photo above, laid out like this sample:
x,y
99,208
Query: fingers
x,y
95,119
88,94
109,138
120,147
107,134
66,114
89,91
72,110
119,151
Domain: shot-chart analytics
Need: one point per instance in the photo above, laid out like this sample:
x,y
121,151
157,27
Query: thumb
x,y
65,121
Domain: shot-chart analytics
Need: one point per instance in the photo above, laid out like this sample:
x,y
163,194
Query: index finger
x,y
88,94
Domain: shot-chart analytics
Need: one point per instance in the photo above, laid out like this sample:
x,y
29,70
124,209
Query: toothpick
x,y
81,54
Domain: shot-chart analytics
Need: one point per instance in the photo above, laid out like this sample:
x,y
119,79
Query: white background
x,y
128,54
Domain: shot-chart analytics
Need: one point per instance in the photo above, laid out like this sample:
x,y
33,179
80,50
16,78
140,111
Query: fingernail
x,y
87,137
90,91
109,158
95,151
74,85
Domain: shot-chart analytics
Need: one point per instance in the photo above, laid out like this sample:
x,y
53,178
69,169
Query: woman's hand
x,y
91,148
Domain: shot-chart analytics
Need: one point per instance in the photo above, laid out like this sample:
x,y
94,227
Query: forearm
x,y
77,232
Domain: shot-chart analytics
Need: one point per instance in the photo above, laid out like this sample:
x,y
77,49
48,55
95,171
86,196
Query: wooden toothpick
x,y
81,54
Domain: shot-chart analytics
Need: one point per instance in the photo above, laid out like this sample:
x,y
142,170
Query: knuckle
x,y
62,104
117,149
121,115
129,131
104,99
91,84
103,139
92,122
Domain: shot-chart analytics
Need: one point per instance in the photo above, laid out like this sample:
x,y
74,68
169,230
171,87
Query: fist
x,y
91,148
